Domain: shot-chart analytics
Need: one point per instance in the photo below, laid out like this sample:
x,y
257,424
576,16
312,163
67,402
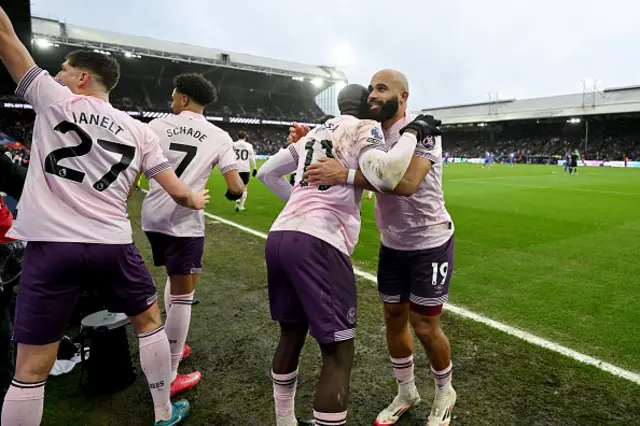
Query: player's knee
x,y
34,363
148,320
396,314
183,284
294,331
427,327
338,354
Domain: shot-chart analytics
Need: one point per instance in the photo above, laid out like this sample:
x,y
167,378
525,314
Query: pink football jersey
x,y
193,146
421,221
85,157
330,213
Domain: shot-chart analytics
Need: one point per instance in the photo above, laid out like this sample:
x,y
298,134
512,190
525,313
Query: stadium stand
x,y
600,125
261,96
248,86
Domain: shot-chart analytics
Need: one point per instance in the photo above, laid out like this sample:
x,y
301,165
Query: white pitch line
x,y
465,313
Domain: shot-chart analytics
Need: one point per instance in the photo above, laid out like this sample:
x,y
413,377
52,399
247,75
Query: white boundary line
x,y
465,313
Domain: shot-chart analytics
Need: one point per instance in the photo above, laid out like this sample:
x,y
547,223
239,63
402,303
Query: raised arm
x,y
13,53
272,173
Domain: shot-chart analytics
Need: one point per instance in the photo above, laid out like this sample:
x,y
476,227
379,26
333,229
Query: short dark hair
x,y
195,86
242,134
326,118
104,67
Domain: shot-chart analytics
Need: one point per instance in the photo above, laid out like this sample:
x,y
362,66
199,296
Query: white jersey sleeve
x,y
253,159
383,169
41,90
430,148
272,172
227,160
153,159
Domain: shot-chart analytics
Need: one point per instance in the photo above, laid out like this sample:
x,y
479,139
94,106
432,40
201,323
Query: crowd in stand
x,y
600,145
267,140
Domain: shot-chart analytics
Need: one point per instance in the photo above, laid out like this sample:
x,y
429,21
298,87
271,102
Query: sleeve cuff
x,y
428,156
157,169
380,147
26,81
226,169
294,153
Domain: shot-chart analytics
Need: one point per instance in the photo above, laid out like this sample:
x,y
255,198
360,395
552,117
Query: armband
x,y
351,177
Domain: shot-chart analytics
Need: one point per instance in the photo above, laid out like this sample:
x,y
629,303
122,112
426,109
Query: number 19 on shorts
x,y
439,273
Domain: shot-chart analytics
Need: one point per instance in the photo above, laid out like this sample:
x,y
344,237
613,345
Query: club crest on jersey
x,y
429,142
376,136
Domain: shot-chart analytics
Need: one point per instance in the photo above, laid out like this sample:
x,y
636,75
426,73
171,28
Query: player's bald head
x,y
393,78
388,94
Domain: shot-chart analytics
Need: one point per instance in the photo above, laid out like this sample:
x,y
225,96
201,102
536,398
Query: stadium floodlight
x,y
574,120
317,82
131,55
297,78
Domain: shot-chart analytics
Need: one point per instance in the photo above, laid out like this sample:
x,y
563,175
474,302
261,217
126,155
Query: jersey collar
x,y
397,126
193,115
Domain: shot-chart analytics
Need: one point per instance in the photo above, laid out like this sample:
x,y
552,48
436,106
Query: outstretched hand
x,y
326,171
297,132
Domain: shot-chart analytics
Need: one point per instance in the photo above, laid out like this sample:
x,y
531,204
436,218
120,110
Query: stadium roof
x,y
58,32
614,100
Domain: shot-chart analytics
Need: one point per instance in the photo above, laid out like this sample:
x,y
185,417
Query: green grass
x,y
550,253
553,254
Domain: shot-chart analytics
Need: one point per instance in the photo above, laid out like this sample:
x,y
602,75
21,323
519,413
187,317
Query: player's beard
x,y
386,111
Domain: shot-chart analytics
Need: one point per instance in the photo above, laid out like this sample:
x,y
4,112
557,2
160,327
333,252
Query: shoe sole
x,y
400,415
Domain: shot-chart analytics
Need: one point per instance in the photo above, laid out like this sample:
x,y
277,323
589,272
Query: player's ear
x,y
404,96
83,79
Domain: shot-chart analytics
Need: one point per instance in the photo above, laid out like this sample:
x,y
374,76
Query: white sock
x,y
23,404
403,370
167,296
443,378
243,199
155,359
284,394
177,326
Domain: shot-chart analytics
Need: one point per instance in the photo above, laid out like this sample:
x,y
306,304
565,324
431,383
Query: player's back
x,y
243,151
84,160
193,147
328,212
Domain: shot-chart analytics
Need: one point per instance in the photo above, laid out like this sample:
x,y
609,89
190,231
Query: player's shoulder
x,y
124,118
367,125
216,133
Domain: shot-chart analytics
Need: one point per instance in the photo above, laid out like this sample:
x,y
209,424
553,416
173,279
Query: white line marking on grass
x,y
556,188
465,313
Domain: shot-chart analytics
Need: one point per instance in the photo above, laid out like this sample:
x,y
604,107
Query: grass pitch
x,y
553,254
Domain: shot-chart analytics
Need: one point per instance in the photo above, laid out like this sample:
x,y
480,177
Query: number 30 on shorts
x,y
439,273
